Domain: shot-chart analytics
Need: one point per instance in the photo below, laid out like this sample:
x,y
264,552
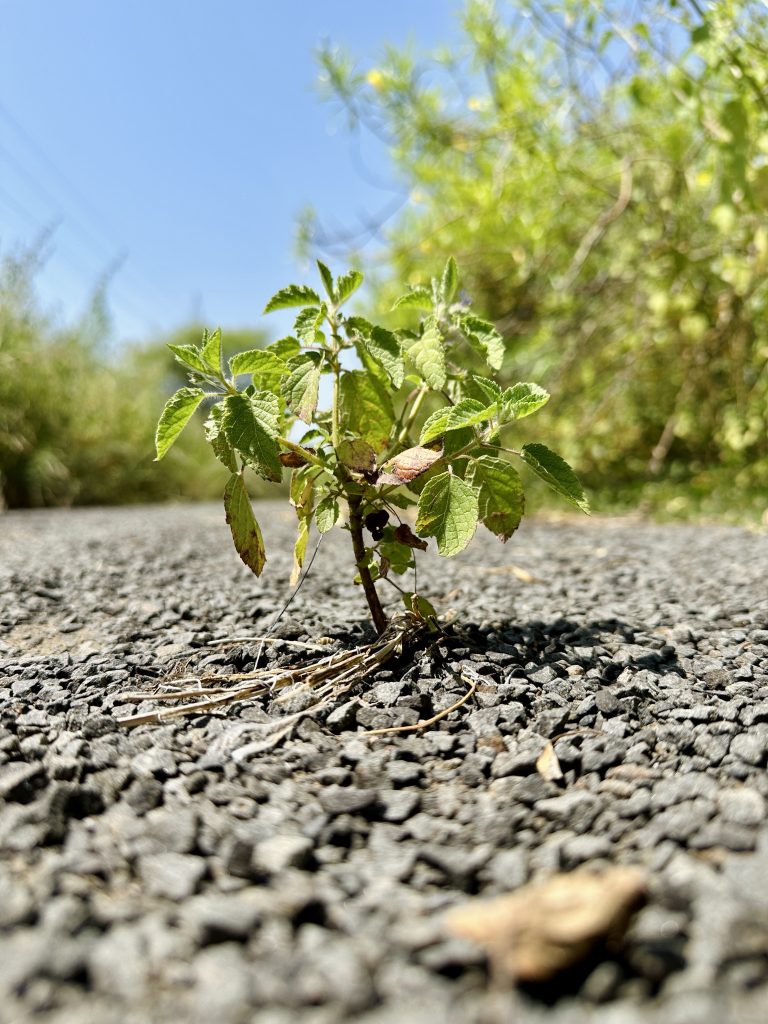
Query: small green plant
x,y
361,462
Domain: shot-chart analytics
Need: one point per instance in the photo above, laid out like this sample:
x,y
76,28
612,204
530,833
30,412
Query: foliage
x,y
449,464
76,422
601,171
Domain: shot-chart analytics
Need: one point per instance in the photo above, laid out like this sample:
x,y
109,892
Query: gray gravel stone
x,y
148,876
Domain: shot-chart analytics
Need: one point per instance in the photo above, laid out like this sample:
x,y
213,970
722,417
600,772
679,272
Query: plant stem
x,y
358,544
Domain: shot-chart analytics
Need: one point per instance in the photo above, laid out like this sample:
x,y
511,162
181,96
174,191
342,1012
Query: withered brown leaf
x,y
532,934
405,535
408,465
294,459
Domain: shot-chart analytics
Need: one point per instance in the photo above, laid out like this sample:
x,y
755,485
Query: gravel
x,y
147,875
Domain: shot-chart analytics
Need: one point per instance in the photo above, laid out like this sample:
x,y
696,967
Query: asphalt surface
x,y
149,874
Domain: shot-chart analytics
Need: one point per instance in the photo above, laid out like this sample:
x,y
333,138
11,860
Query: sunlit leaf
x,y
250,425
501,501
449,282
293,295
347,284
177,413
427,354
300,388
447,511
556,472
366,408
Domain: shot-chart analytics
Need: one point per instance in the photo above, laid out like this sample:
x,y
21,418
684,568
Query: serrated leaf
x,y
483,335
215,436
448,511
366,408
555,471
308,323
250,425
284,348
178,411
267,367
500,497
301,387
327,513
189,356
347,285
427,354
242,522
481,389
384,347
455,440
327,277
449,282
521,400
356,455
293,295
466,413
420,297
211,350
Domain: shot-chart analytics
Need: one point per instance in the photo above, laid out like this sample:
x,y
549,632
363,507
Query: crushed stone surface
x,y
147,875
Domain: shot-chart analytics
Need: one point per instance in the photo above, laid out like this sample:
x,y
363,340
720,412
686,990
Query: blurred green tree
x,y
77,422
601,173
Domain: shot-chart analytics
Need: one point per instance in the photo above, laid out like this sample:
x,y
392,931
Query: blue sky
x,y
183,137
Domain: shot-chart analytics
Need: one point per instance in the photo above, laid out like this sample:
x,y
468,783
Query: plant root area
x,y
295,851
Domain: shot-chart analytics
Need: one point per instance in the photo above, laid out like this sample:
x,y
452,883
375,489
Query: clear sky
x,y
184,137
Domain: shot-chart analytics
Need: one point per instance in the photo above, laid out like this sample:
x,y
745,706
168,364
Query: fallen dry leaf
x,y
547,764
532,934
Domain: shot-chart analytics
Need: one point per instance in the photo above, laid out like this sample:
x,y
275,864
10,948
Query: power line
x,y
102,236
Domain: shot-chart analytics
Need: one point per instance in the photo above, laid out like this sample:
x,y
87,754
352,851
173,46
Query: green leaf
x,y
419,297
326,513
189,356
366,408
448,511
356,455
308,324
242,522
483,335
284,348
211,351
293,295
400,556
455,440
384,347
215,436
481,389
327,277
301,387
465,413
347,285
521,400
177,413
428,355
450,281
267,367
556,472
500,496
250,425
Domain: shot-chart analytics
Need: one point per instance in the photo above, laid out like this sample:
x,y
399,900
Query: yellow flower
x,y
375,78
